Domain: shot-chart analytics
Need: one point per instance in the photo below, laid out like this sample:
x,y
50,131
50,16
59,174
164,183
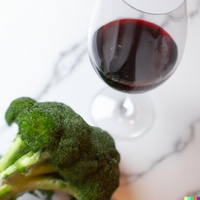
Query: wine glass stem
x,y
127,108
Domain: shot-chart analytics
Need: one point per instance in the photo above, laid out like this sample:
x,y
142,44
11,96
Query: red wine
x,y
133,55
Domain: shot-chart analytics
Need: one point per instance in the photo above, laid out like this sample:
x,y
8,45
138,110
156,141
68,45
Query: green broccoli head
x,y
83,156
16,107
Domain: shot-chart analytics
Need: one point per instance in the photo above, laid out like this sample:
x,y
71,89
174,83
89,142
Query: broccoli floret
x,y
55,149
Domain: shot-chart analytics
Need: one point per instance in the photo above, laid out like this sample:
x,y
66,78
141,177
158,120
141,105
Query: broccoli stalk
x,y
35,183
55,149
31,171
12,154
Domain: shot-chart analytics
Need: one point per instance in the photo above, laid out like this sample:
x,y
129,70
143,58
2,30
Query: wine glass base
x,y
122,115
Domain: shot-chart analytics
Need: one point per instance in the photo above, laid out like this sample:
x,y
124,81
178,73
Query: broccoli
x,y
55,149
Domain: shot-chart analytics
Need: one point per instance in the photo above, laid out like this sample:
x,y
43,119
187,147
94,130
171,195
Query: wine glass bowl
x,y
134,51
134,56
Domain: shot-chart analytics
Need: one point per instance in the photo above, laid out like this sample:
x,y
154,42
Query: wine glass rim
x,y
155,13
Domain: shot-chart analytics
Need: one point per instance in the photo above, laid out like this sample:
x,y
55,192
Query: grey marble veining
x,y
65,64
196,9
178,147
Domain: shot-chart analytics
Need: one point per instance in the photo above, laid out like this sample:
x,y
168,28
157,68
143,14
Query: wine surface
x,y
133,55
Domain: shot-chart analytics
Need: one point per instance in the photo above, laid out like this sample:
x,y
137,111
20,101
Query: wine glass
x,y
133,50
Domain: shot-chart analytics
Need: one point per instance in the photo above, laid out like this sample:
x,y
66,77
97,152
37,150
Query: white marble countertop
x,y
43,54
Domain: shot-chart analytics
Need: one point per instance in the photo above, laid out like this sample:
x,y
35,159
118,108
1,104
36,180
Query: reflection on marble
x,y
166,175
